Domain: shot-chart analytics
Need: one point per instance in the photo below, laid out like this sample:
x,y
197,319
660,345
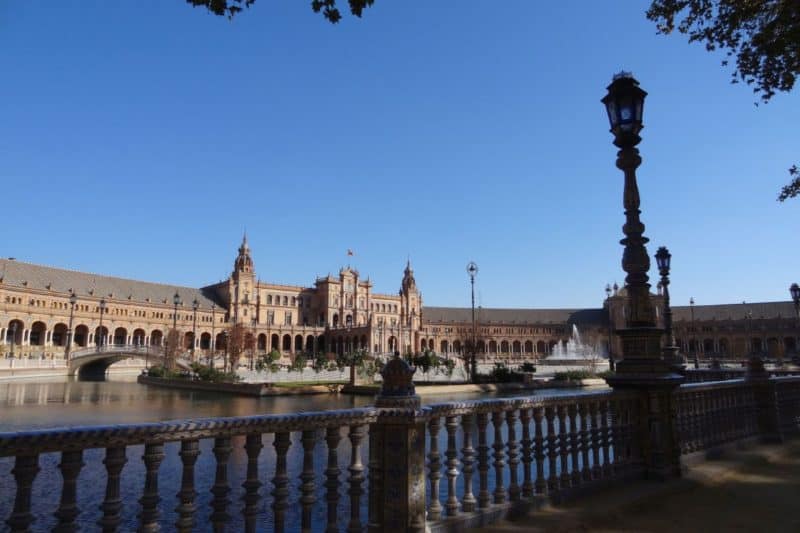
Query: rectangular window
x,y
288,319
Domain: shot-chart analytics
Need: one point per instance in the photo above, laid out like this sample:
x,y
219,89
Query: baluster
x,y
356,470
583,419
513,455
468,462
451,506
499,456
483,461
538,440
527,452
112,504
220,489
617,438
552,451
695,401
574,445
153,455
605,436
252,446
280,480
70,466
190,449
597,471
25,469
307,498
434,469
332,438
563,446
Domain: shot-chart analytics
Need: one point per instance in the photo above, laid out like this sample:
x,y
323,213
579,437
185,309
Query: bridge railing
x,y
117,348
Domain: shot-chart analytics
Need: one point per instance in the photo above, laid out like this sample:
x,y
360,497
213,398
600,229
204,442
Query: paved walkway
x,y
752,490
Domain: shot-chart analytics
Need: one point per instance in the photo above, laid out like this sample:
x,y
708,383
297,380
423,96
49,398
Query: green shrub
x,y
298,364
527,366
568,375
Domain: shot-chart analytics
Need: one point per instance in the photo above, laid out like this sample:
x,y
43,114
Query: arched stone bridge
x,y
96,360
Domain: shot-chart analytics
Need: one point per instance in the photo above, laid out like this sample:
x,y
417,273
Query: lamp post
x,y
13,337
641,338
472,271
225,359
99,340
73,299
670,351
195,305
213,338
794,290
692,342
610,330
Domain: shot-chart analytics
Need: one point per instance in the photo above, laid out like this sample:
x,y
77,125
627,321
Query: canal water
x,y
67,402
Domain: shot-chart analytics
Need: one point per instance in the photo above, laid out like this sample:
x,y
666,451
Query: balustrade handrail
x,y
712,385
37,441
457,408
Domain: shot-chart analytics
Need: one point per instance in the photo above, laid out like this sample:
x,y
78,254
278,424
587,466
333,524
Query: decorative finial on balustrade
x,y
398,385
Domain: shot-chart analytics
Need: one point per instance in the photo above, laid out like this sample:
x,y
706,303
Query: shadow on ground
x,y
750,490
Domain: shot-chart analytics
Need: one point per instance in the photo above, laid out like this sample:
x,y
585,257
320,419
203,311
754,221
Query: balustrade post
x,y
280,480
397,454
25,469
253,445
468,460
650,430
513,455
499,457
190,449
112,504
434,468
153,455
451,424
71,464
527,452
538,440
332,438
307,499
483,461
766,401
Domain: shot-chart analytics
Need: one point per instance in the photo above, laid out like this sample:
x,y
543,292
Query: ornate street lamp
x,y
610,330
99,340
641,338
670,350
195,305
472,271
176,299
73,299
794,290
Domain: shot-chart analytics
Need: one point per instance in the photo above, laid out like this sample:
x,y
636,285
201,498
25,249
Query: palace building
x,y
41,306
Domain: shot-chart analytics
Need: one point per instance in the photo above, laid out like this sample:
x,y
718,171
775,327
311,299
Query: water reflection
x,y
68,402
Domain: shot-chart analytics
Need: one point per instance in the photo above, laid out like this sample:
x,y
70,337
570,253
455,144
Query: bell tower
x,y
242,285
411,305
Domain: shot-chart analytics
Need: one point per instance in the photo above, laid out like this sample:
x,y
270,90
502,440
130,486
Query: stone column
x,y
397,455
766,399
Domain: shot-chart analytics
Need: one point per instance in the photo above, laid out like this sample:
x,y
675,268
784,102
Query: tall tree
x,y
762,35
172,348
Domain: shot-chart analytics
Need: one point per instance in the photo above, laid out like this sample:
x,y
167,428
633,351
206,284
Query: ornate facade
x,y
337,314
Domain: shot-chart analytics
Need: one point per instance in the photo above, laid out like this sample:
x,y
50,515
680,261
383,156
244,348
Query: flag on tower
x,y
350,252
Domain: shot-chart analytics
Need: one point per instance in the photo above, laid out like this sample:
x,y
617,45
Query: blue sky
x,y
139,139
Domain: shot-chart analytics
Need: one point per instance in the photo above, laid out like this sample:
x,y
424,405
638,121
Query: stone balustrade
x,y
394,467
